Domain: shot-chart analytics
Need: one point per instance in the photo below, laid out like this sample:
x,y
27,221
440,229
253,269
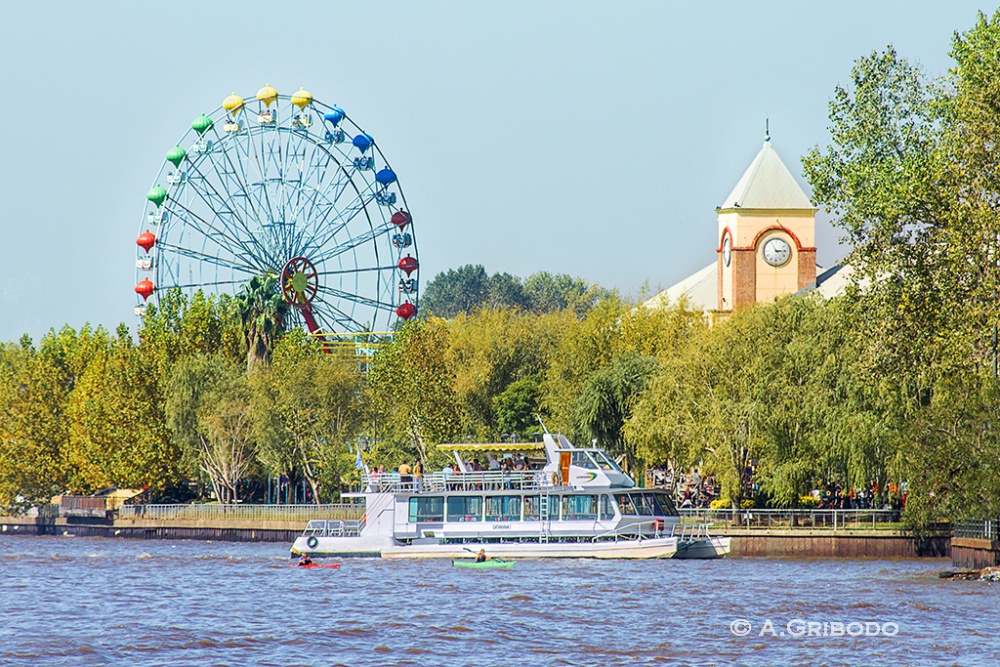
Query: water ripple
x,y
86,601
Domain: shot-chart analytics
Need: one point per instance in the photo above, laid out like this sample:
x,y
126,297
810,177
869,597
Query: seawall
x,y
223,531
804,543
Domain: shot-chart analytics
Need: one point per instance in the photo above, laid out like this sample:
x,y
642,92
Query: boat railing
x,y
688,532
334,527
437,482
639,530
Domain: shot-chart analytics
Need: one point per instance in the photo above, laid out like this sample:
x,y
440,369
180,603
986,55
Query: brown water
x,y
91,601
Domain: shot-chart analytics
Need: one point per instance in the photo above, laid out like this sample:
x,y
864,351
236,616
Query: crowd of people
x,y
688,489
837,496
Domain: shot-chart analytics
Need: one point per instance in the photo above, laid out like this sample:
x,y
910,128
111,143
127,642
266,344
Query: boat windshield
x,y
604,462
645,503
581,459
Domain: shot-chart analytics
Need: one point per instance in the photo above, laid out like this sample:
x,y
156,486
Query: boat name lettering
x,y
501,526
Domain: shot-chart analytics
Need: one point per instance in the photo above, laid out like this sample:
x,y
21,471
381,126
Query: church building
x,y
765,244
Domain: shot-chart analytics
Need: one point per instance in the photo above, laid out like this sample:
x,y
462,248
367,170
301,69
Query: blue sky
x,y
588,138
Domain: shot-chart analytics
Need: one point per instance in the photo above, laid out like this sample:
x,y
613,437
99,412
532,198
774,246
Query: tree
x,y
308,409
262,310
605,404
411,389
456,291
208,411
547,293
115,421
33,395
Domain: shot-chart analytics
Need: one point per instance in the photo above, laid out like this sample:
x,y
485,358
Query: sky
x,y
587,138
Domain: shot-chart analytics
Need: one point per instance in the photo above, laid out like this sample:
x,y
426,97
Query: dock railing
x,y
247,513
785,519
978,529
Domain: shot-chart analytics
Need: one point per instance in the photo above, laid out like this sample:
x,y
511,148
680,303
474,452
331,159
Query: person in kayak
x,y
305,560
481,556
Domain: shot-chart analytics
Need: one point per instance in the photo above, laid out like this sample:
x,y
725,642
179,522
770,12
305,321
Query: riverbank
x,y
746,543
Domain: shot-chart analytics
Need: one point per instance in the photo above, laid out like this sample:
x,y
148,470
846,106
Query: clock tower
x,y
767,236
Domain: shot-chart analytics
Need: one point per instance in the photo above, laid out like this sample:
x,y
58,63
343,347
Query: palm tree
x,y
262,311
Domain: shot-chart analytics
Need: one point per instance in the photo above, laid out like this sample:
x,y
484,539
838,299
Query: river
x,y
92,601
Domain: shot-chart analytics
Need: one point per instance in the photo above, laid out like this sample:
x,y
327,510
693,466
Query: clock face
x,y
777,251
727,250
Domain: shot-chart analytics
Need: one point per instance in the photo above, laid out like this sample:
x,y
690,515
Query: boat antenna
x,y
539,418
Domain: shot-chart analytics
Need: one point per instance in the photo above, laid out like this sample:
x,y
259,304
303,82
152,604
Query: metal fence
x,y
249,513
794,518
980,529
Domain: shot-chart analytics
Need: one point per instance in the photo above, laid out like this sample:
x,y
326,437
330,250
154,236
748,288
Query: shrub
x,y
747,504
808,502
719,504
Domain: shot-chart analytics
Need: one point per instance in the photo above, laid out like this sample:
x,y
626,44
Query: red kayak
x,y
331,566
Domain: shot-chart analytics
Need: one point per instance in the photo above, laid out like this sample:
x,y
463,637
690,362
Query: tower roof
x,y
767,183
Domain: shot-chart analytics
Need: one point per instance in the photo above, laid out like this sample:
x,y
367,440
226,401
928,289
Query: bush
x,y
747,504
719,504
808,502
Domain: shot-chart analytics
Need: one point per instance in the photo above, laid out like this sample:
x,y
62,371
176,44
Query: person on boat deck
x,y
404,474
418,475
305,560
481,556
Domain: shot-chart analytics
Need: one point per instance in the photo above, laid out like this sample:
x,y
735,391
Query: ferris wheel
x,y
286,186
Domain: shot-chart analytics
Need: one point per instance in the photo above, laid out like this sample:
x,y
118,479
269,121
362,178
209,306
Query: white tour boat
x,y
574,503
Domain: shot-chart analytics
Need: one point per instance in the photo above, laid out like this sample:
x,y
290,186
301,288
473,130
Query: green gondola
x,y
494,564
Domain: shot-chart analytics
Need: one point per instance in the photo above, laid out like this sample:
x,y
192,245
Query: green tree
x,y
455,291
412,391
262,310
308,409
115,422
208,411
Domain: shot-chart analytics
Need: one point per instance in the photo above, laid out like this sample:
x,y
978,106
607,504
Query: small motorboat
x,y
492,564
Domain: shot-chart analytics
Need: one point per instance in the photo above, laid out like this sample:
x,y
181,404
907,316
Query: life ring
x,y
312,541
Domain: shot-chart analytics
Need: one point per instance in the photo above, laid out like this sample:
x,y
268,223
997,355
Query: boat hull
x,y
707,548
660,547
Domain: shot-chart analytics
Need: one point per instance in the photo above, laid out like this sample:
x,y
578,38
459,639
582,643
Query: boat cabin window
x,y
426,509
646,503
465,508
579,508
625,504
531,508
607,508
503,508
582,459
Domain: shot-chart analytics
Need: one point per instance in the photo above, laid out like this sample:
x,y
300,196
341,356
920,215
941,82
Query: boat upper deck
x,y
440,482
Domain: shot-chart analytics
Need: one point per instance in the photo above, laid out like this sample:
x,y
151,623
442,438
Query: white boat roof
x,y
493,447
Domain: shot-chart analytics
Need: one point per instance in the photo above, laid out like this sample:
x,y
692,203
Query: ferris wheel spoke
x,y
351,270
356,298
342,317
340,221
238,177
354,242
220,205
217,283
212,259
217,234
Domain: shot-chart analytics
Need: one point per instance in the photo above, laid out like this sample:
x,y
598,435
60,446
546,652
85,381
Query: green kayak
x,y
485,565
